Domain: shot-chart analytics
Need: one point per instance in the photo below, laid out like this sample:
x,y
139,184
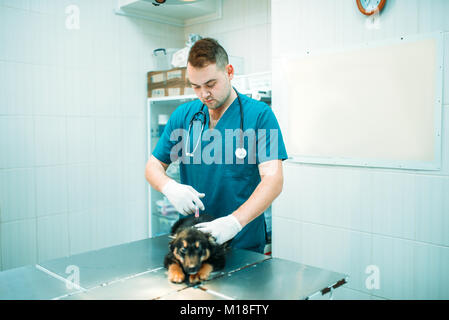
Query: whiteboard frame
x,y
395,164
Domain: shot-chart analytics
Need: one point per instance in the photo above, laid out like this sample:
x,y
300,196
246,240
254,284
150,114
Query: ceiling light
x,y
171,2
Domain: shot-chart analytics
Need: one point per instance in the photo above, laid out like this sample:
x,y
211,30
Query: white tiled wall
x,y
72,127
72,118
347,218
18,239
244,31
17,194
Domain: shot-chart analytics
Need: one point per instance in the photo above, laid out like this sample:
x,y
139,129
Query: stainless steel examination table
x,y
135,271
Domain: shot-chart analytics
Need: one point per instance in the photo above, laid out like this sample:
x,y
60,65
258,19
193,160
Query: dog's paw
x,y
194,278
205,271
203,274
175,274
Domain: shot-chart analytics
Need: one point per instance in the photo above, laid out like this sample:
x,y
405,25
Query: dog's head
x,y
191,247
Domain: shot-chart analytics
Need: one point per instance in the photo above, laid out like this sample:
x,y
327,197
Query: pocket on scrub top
x,y
239,171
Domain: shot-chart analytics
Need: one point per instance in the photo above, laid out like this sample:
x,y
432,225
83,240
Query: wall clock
x,y
368,7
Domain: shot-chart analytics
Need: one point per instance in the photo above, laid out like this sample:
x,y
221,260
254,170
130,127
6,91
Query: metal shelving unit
x,y
161,218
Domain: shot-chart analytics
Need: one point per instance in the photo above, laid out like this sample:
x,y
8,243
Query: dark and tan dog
x,y
193,254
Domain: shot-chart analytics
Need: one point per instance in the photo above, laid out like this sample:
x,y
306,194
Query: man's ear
x,y
230,71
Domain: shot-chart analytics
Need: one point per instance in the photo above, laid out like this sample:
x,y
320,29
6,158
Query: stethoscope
x,y
240,152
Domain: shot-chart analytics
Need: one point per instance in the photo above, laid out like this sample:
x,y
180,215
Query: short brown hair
x,y
207,51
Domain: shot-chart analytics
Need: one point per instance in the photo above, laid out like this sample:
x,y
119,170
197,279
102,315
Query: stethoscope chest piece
x,y
240,153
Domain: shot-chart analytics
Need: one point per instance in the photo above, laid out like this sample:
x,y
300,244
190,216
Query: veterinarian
x,y
231,152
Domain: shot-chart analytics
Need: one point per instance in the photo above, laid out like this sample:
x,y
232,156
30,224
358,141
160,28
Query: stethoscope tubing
x,y
203,123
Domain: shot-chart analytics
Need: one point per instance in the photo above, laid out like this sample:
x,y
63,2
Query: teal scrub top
x,y
214,170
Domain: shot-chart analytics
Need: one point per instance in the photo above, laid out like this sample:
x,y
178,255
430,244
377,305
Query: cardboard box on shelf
x,y
172,90
172,82
156,78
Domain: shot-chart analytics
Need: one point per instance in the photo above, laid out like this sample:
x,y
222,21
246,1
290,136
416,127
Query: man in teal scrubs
x,y
234,187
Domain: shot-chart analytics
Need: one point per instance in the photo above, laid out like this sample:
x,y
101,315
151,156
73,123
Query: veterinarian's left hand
x,y
222,229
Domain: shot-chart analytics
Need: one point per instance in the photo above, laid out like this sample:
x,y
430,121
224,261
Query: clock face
x,y
368,7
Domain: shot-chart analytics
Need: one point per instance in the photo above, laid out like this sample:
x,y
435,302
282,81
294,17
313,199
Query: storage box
x,y
159,78
162,58
171,82
175,90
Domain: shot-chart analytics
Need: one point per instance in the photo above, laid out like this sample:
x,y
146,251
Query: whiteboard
x,y
374,105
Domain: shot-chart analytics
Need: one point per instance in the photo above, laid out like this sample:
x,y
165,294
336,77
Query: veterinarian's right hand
x,y
183,197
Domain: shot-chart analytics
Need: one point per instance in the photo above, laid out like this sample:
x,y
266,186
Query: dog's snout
x,y
192,270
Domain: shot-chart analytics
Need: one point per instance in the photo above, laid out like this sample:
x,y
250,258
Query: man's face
x,y
211,85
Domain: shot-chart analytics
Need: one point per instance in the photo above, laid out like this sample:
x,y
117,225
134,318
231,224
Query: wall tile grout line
x,y
363,232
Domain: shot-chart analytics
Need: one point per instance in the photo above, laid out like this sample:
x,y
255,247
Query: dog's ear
x,y
171,244
211,240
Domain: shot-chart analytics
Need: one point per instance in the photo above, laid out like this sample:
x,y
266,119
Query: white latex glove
x,y
222,229
183,197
